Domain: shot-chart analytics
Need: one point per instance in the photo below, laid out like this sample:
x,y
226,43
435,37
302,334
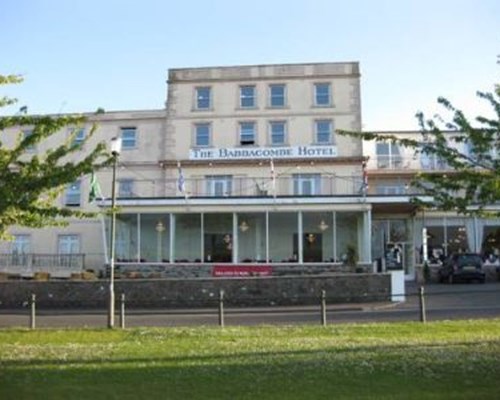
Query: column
x,y
172,238
300,234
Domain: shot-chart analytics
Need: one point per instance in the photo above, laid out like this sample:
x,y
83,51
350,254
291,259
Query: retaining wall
x,y
200,292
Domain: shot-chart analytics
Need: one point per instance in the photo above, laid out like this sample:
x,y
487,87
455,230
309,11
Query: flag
x,y
95,189
273,178
364,187
181,183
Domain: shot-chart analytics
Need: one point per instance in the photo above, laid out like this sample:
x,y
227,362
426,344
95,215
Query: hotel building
x,y
244,168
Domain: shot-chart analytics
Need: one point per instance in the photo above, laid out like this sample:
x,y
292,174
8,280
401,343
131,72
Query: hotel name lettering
x,y
263,153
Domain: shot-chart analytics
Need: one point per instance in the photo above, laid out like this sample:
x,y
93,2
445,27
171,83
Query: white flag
x,y
273,178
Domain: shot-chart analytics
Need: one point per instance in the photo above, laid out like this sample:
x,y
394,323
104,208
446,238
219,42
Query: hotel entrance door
x,y
312,247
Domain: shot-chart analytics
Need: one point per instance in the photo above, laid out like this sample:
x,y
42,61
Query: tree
x,y
30,182
471,151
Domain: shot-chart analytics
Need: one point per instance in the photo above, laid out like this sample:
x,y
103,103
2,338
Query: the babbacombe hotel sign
x,y
263,153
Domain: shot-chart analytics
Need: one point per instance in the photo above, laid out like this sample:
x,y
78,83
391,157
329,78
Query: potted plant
x,y
351,258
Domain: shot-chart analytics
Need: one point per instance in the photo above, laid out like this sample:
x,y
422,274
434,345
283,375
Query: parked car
x,y
462,267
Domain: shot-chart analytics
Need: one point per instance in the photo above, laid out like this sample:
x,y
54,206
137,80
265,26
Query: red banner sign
x,y
241,270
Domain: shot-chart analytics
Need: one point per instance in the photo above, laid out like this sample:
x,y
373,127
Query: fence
x,y
429,303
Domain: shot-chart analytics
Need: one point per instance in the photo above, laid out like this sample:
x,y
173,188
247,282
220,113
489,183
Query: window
x,y
21,247
388,155
323,130
247,133
202,134
68,244
79,136
277,95
247,97
129,138
322,94
278,132
203,101
73,194
306,184
432,162
25,135
125,188
219,185
21,244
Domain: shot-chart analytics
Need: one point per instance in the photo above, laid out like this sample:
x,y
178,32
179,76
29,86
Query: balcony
x,y
406,163
298,185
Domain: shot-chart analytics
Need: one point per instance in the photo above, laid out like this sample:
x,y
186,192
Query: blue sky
x,y
78,55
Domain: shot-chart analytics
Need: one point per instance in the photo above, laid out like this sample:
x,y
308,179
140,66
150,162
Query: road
x,y
460,301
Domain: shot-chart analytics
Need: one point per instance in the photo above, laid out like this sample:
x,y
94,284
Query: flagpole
x,y
181,183
273,179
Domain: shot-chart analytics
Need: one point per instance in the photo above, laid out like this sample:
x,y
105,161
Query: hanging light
x,y
160,227
323,226
244,226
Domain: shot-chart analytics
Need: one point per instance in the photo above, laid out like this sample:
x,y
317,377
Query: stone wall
x,y
200,292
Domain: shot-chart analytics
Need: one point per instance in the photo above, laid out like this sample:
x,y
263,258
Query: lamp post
x,y
116,147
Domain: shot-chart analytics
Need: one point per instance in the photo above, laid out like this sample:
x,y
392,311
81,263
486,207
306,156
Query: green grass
x,y
455,360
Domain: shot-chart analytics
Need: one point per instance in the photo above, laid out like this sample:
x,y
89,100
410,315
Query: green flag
x,y
95,189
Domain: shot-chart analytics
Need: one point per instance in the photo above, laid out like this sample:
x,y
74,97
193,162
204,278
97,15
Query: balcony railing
x,y
28,264
410,163
305,185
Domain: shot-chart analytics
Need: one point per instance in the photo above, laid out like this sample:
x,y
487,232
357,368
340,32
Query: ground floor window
x,y
68,244
21,244
259,237
448,235
491,243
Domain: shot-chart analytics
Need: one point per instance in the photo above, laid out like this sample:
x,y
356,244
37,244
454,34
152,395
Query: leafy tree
x,y
470,150
30,182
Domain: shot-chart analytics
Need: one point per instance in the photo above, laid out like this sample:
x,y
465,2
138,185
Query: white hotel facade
x,y
244,168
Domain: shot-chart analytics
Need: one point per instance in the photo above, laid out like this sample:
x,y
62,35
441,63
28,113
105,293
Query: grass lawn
x,y
439,360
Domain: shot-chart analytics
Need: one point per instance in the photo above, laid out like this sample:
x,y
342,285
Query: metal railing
x,y
29,264
234,186
403,162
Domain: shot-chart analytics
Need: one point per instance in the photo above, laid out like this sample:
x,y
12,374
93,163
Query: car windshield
x,y
468,259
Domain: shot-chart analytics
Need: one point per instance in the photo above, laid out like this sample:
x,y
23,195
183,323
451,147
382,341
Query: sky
x,y
80,55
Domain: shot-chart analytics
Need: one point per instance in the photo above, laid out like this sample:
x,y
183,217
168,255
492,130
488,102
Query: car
x,y
462,267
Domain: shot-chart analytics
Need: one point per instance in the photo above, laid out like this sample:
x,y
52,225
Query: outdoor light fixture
x,y
160,227
244,226
323,226
115,147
